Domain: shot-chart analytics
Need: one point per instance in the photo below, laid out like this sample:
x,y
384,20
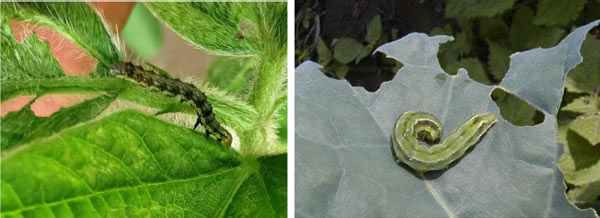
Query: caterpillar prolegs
x,y
413,127
176,87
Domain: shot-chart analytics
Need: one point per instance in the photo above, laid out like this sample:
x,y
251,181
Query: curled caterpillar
x,y
175,87
413,127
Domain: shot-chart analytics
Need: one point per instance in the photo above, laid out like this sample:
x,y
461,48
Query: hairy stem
x,y
271,75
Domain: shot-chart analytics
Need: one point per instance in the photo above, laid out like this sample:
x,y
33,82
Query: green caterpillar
x,y
188,92
413,127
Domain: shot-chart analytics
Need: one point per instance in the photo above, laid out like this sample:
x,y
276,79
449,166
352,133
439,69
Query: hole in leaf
x,y
369,73
515,110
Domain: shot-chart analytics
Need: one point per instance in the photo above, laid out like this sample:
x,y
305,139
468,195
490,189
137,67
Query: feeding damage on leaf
x,y
175,87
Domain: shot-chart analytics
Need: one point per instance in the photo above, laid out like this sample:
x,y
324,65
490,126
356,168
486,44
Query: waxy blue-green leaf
x,y
343,150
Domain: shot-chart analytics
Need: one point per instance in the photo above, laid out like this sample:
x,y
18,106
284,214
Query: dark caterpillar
x,y
188,92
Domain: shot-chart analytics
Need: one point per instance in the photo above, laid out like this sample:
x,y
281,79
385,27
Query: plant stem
x,y
271,75
268,83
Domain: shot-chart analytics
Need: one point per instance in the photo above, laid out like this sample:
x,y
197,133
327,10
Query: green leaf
x,y
558,12
26,60
586,105
23,126
219,28
374,30
587,127
158,70
99,158
40,87
477,8
281,117
546,37
498,59
445,30
228,110
474,67
74,20
324,53
346,50
363,53
450,52
143,32
515,110
340,70
232,74
494,28
580,165
343,156
214,26
585,78
525,35
130,164
274,171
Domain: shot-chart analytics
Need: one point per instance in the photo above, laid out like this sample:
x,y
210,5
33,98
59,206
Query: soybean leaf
x,y
74,20
31,58
232,74
343,155
29,68
130,164
214,26
282,121
115,93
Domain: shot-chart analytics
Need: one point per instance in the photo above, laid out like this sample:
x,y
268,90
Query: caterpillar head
x,y
228,139
121,69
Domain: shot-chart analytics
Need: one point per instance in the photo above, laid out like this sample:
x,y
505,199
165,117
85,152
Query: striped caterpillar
x,y
413,127
175,87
